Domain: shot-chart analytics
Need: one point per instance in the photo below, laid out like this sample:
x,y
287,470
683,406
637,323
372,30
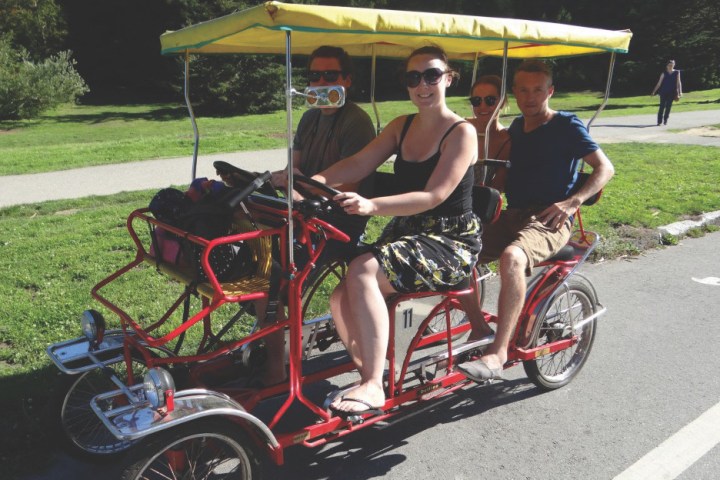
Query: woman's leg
x,y
361,314
668,105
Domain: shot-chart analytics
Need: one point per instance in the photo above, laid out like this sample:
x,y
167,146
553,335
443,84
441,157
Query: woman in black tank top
x,y
431,244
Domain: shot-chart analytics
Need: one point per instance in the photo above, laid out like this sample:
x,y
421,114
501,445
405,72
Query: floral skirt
x,y
428,253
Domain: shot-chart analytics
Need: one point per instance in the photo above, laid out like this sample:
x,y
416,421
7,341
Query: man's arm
x,y
602,171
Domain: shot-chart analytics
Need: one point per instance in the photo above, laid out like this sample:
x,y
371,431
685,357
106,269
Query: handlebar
x,y
241,195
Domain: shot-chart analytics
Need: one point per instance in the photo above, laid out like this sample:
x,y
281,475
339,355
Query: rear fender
x,y
139,419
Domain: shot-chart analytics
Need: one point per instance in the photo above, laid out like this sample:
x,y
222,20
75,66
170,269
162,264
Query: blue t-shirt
x,y
544,162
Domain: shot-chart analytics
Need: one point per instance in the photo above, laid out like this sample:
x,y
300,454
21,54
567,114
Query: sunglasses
x,y
431,76
489,101
328,75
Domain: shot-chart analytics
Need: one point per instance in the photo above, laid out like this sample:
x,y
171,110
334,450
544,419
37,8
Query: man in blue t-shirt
x,y
547,147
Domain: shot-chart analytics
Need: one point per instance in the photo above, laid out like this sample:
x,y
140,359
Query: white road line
x,y
677,453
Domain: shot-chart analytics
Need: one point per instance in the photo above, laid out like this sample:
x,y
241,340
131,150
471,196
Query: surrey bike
x,y
176,394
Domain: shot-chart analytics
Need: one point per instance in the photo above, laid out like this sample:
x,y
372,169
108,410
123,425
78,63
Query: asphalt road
x,y
651,376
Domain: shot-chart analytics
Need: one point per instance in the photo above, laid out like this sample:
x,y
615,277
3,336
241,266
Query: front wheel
x,y
568,306
204,449
79,429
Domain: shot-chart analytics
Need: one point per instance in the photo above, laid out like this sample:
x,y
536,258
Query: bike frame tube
x,y
196,133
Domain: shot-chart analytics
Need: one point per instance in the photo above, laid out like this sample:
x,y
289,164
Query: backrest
x,y
582,178
487,203
261,248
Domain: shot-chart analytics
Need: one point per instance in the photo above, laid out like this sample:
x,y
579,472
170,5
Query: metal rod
x,y
607,91
495,113
196,134
475,69
288,108
373,70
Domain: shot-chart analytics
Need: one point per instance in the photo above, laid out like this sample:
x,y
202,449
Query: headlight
x,y
159,388
93,326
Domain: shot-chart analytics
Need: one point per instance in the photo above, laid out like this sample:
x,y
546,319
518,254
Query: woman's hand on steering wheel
x,y
355,204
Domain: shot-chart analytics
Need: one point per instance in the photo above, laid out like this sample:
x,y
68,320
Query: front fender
x,y
139,419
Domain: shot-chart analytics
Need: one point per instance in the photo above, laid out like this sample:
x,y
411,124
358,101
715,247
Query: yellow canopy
x,y
387,33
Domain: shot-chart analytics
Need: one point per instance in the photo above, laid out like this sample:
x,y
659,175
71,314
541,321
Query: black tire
x,y
209,448
567,307
316,315
77,428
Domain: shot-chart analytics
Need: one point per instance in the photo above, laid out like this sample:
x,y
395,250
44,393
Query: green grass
x,y
78,136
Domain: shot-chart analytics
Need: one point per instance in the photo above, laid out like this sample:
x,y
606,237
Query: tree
x,y
27,88
35,25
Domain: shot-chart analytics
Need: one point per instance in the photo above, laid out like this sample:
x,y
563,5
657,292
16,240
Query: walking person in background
x,y
669,87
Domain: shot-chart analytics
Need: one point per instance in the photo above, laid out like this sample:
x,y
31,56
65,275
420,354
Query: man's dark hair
x,y
536,66
342,56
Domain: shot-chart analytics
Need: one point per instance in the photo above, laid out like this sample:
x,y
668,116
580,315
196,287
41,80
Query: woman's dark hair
x,y
493,80
326,51
437,52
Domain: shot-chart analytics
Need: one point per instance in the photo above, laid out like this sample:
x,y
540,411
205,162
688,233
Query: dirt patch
x,y
703,132
643,238
66,213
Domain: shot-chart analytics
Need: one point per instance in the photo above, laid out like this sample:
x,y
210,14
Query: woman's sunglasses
x,y
489,101
328,75
432,76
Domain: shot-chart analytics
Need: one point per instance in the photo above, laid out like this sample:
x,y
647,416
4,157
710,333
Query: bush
x,y
237,85
28,89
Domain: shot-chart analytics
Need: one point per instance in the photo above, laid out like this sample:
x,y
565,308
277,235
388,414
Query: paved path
x,y
151,174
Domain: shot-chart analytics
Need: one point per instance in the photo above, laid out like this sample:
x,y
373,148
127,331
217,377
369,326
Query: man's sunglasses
x,y
489,101
432,76
328,75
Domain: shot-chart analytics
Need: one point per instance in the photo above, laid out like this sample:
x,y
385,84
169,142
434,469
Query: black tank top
x,y
415,176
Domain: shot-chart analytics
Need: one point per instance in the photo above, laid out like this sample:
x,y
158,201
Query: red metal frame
x,y
326,427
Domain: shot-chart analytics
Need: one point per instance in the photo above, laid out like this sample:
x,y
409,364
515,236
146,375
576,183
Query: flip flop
x,y
478,371
369,410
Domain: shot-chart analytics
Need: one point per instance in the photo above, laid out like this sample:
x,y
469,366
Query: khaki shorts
x,y
520,228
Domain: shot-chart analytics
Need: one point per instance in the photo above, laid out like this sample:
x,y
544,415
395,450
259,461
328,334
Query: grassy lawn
x,y
78,136
53,253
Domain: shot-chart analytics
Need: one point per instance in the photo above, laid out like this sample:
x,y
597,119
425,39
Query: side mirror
x,y
324,97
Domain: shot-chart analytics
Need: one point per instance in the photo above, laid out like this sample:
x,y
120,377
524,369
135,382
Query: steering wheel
x,y
239,177
304,184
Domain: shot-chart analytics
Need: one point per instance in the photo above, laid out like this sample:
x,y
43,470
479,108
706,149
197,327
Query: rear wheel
x,y
80,430
567,308
204,449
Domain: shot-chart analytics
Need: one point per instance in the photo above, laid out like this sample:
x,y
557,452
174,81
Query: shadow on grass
x,y
157,114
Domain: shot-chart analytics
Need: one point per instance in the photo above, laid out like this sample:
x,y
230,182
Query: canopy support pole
x,y
288,109
196,133
373,70
476,63
496,112
607,91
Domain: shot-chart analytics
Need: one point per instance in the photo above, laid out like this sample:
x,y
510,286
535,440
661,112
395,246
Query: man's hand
x,y
556,214
354,204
